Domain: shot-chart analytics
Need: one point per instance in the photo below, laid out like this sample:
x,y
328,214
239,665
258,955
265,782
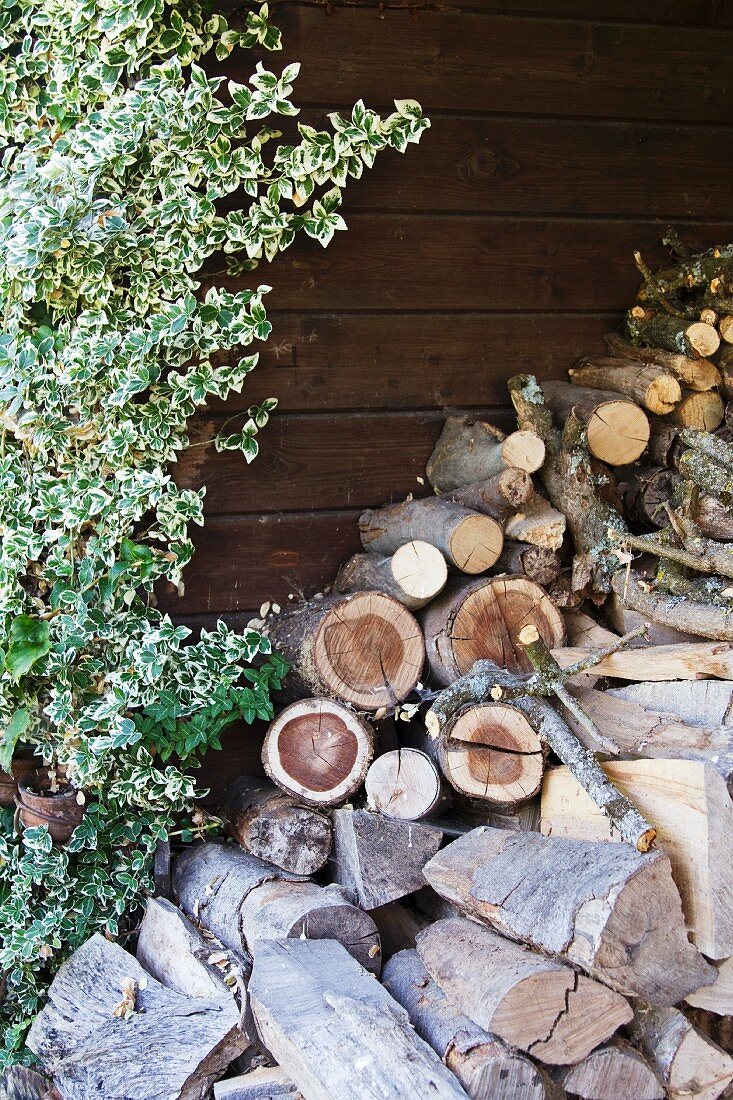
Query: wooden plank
x,y
346,461
470,60
495,165
243,560
443,262
332,362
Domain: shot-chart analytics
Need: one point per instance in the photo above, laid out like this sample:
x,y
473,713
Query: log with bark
x,y
695,374
688,1063
487,1068
616,429
470,541
472,450
695,339
414,574
540,564
108,1029
498,496
318,751
608,909
272,826
405,784
649,385
532,1002
364,648
21,1083
615,1071
342,1034
538,524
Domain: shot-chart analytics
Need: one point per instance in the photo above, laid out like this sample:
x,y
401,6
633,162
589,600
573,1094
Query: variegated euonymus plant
x,y
117,147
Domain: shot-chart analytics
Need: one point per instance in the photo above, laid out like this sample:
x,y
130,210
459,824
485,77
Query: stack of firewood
x,y
486,697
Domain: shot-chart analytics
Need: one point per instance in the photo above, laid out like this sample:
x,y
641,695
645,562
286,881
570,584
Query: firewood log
x,y
489,751
690,661
615,1071
538,563
689,804
645,491
532,1002
170,1047
543,892
704,411
303,910
713,518
650,386
270,825
696,374
468,540
663,330
702,618
665,444
398,925
725,366
364,648
717,998
414,574
21,1083
725,328
406,784
338,1033
263,1083
583,630
707,703
380,859
318,751
537,523
481,619
623,619
688,1063
486,1067
472,450
498,496
176,953
617,430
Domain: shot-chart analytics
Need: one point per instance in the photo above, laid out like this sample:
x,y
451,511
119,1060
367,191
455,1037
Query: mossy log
x,y
664,330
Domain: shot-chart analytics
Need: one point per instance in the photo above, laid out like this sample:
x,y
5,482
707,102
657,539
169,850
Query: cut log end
x,y
617,432
404,784
476,543
419,571
524,450
491,752
703,338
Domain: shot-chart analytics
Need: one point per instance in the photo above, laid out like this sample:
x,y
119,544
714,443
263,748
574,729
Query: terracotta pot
x,y
24,769
60,812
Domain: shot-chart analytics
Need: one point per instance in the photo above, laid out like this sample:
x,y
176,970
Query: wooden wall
x,y
562,139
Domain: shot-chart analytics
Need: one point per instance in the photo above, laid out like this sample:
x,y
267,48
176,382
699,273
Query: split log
x,y
490,751
468,540
472,450
480,620
398,926
697,340
486,1067
364,648
171,1047
318,751
704,619
717,1028
380,859
697,703
175,952
717,998
703,411
696,374
617,430
532,1002
537,523
337,1032
270,825
547,892
583,630
538,563
405,784
414,574
264,1083
689,661
689,1064
497,496
689,804
615,1071
303,910
651,386
646,490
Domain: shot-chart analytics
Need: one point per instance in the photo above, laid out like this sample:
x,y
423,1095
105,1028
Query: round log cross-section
x,y
364,648
318,751
481,619
490,751
405,784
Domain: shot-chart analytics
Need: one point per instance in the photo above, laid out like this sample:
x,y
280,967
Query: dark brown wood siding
x,y
565,134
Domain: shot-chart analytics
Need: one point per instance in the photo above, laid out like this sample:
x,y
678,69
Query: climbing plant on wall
x,y
117,148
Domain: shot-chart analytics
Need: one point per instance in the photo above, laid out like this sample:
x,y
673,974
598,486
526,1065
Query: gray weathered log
x,y
20,1083
271,825
342,1035
171,1047
414,574
707,703
471,541
472,450
706,620
608,909
498,496
264,1083
380,859
687,1061
399,925
615,1071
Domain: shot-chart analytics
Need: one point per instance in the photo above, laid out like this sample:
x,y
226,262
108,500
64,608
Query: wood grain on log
x,y
696,374
616,428
497,496
480,620
703,411
718,997
608,909
689,1064
653,387
645,491
318,751
694,616
686,661
615,1071
264,1083
364,648
532,1002
414,574
380,859
342,1035
706,703
486,1067
468,540
405,784
537,523
472,450
689,804
21,1083
270,825
172,1047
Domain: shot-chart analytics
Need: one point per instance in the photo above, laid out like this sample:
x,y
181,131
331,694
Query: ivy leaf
x,y
14,730
30,640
